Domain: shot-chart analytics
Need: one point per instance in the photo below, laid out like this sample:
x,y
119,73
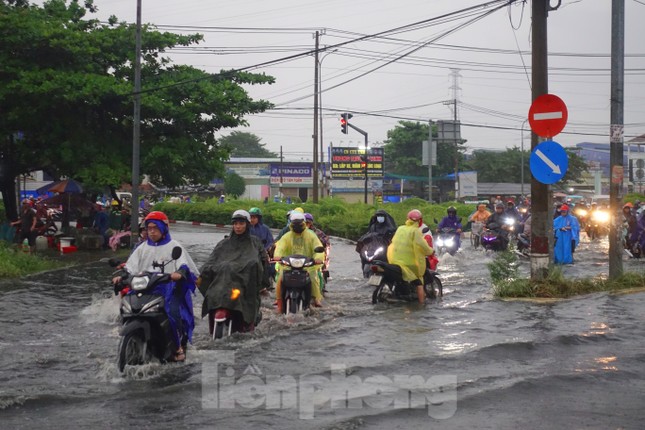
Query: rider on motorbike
x,y
452,222
238,263
409,250
158,247
379,234
300,240
258,229
497,223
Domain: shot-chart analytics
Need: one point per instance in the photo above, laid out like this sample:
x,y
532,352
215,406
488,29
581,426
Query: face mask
x,y
298,227
380,219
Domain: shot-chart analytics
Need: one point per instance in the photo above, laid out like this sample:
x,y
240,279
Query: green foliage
x,y
234,184
66,84
501,166
555,285
632,197
334,217
503,269
15,263
243,144
577,167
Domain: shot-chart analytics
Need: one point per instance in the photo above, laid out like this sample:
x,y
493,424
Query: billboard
x,y
346,163
292,173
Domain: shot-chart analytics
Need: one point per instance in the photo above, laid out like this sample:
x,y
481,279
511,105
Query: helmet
x,y
309,217
451,209
415,215
628,205
297,216
26,202
499,205
255,211
157,215
241,215
564,208
301,210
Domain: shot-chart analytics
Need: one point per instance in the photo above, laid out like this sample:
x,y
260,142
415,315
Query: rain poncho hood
x,y
236,262
386,229
145,254
408,250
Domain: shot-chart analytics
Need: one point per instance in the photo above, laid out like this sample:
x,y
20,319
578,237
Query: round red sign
x,y
548,115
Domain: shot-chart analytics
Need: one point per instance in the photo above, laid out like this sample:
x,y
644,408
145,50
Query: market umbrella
x,y
66,186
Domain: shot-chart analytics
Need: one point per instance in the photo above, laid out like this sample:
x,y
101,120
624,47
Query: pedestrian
x,y
567,236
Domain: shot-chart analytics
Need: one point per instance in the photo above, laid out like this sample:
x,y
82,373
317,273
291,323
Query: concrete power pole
x,y
616,136
315,135
542,231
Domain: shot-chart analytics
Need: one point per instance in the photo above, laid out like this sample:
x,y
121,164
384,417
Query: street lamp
x,y
320,109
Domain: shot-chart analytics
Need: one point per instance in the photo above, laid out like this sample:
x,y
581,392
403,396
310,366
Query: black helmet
x,y
452,209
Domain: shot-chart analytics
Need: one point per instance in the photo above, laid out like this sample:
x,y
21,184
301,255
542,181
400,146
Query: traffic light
x,y
363,162
344,121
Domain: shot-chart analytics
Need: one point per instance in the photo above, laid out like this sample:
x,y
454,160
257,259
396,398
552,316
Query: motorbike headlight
x,y
139,283
582,212
601,216
450,242
297,263
153,306
440,242
509,221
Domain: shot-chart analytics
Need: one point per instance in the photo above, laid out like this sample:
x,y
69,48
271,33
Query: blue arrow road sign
x,y
549,162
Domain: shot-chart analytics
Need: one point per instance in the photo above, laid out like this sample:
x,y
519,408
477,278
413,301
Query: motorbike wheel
x,y
219,331
132,350
376,294
292,306
434,290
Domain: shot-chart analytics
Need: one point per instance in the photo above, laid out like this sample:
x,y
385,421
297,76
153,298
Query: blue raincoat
x,y
567,235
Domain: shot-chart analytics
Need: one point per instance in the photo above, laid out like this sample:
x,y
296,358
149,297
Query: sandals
x,y
180,355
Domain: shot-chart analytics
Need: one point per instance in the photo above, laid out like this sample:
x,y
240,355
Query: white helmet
x,y
241,214
295,216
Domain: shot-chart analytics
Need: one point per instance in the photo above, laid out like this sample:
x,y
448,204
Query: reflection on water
x,y
60,333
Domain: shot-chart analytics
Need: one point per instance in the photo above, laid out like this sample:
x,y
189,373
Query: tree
x,y
242,144
505,166
66,92
234,184
403,152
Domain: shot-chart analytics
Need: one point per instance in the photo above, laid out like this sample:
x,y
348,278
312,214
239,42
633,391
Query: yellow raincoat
x,y
304,244
408,250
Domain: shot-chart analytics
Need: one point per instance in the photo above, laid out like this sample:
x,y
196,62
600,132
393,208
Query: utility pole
x,y
281,169
542,231
616,136
136,133
315,135
455,92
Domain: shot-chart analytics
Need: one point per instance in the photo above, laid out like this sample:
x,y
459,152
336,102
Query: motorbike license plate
x,y
375,280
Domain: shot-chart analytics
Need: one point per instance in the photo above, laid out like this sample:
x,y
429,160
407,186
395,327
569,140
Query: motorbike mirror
x,y
319,249
435,221
113,262
426,229
459,220
176,252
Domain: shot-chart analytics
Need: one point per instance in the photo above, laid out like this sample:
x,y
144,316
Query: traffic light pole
x,y
364,133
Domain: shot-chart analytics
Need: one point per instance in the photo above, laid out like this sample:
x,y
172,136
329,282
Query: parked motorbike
x,y
147,331
295,290
390,276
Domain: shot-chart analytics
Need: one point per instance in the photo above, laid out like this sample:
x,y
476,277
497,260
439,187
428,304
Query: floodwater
x,y
467,361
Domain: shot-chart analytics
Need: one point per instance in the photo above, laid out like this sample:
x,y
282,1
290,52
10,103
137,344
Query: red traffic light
x,y
343,125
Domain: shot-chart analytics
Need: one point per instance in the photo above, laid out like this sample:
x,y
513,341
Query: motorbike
x,y
224,322
476,234
146,331
446,241
491,237
295,290
371,247
598,225
390,276
524,244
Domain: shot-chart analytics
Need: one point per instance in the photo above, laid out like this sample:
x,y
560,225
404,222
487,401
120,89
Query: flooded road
x,y
468,361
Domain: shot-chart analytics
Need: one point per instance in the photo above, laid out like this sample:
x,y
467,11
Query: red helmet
x,y
415,215
157,215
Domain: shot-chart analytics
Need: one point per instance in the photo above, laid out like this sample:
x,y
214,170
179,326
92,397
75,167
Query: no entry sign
x,y
548,115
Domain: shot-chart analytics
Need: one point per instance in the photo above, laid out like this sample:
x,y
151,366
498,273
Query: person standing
x,y
27,223
567,236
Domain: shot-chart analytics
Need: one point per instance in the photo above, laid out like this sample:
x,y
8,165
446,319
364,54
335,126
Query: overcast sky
x,y
491,56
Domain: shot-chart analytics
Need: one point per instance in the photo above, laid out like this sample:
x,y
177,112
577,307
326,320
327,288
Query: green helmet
x,y
255,211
